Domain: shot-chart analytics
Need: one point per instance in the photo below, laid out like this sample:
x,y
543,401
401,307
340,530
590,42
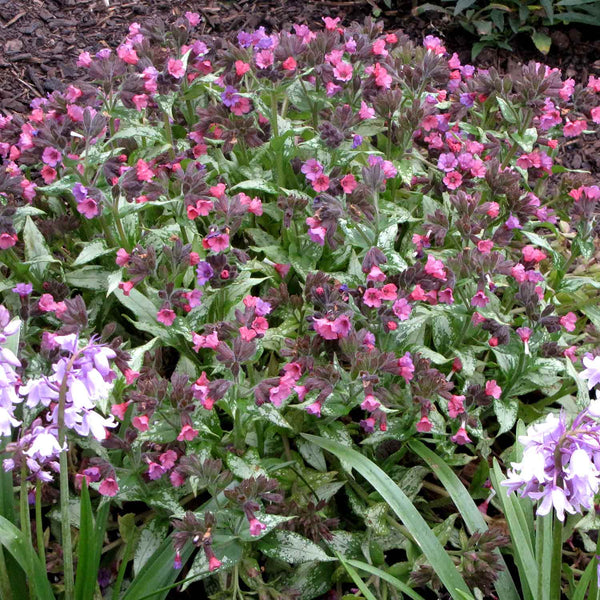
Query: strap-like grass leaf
x,y
399,585
432,549
523,551
468,509
23,552
360,584
89,547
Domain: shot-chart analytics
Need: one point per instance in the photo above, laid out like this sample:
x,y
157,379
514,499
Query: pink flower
x,y
314,409
175,68
343,71
289,64
241,67
264,59
372,297
130,376
453,180
435,268
7,240
84,60
127,54
217,242
193,18
51,156
568,321
389,292
595,114
531,254
119,410
109,487
348,183
324,327
331,24
48,174
376,274
321,183
126,287
187,433
140,101
524,333
574,128
493,389
365,111
256,526
485,246
342,326
461,437
455,406
406,367
402,309
370,403
205,341
445,296
46,303
143,171
122,257
424,425
213,563
140,423
480,299
166,316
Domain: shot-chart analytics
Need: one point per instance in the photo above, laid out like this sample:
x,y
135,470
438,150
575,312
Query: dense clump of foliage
x,y
244,281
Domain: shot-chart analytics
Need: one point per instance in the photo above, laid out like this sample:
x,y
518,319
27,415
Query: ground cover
x,y
276,308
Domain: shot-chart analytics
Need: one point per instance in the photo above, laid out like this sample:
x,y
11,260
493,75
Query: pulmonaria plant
x,y
338,232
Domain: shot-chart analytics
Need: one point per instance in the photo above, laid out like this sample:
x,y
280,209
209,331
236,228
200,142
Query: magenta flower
x,y
372,297
175,68
480,299
166,316
51,156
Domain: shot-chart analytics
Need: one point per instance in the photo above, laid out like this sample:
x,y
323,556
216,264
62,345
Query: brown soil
x,y
41,39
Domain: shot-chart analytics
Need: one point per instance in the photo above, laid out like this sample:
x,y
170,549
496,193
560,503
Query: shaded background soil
x,y
41,39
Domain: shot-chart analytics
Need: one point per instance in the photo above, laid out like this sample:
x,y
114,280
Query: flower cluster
x,y
560,466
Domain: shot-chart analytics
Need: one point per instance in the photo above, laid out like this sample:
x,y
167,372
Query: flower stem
x,y
67,545
556,568
39,528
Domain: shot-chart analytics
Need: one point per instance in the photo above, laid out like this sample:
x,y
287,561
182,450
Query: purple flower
x,y
447,161
23,289
312,168
229,96
357,140
592,370
204,272
559,465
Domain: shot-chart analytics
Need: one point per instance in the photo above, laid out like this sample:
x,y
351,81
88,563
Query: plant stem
x,y
67,545
39,528
556,569
169,133
5,591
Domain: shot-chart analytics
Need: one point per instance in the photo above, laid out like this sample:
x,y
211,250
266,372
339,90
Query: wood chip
x,y
14,20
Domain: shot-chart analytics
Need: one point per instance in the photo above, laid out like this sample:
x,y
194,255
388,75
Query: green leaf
x,y
292,548
542,43
506,110
506,410
423,536
88,550
37,253
92,277
157,575
23,552
90,252
583,394
399,585
462,5
521,540
469,512
360,584
527,139
313,455
258,185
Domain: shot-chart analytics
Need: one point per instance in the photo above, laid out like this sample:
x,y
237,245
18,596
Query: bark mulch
x,y
41,39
